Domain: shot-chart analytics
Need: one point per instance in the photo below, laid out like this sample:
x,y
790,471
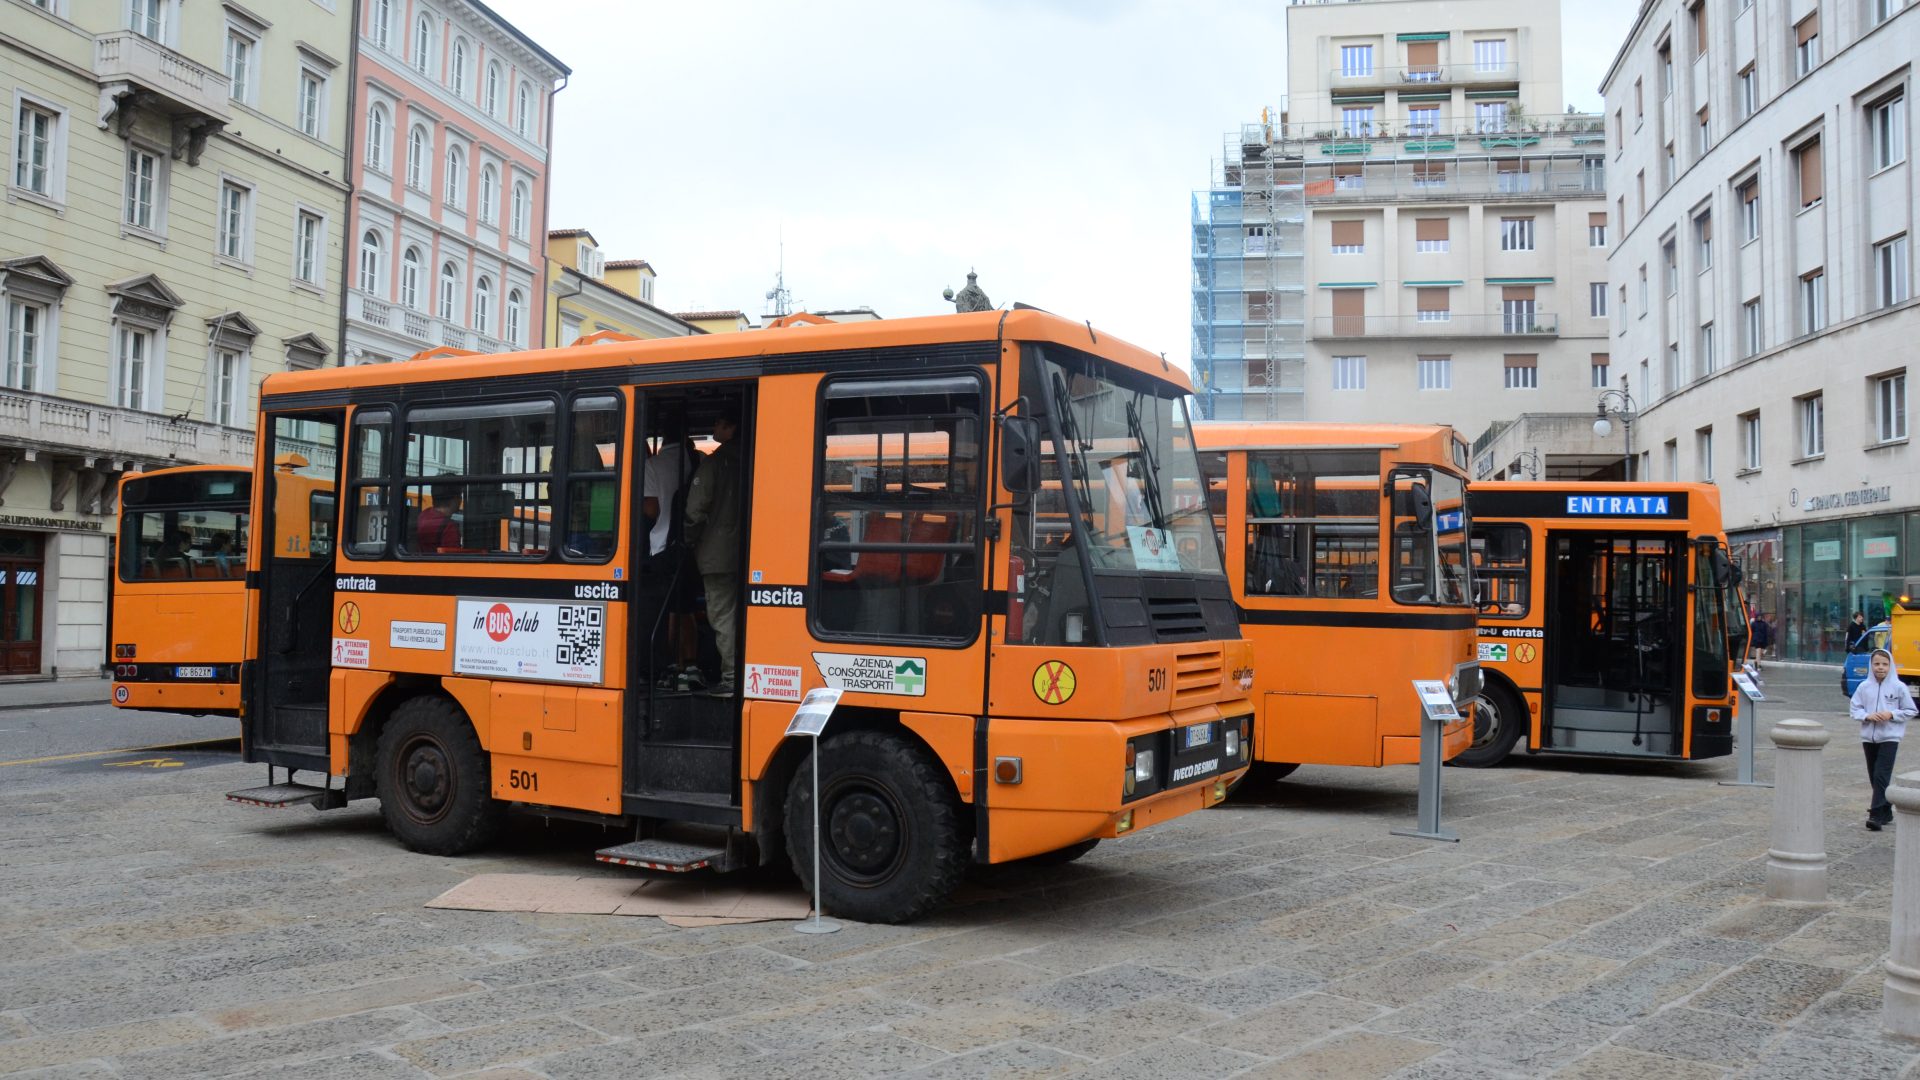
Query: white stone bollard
x,y
1797,861
1900,1000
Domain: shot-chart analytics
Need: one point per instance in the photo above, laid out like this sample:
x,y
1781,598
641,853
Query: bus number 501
x,y
1156,679
523,780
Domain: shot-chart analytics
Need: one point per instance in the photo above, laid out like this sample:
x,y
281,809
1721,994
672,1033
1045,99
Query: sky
x,y
1051,145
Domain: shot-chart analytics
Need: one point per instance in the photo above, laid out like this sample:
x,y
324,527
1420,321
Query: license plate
x,y
193,673
1199,735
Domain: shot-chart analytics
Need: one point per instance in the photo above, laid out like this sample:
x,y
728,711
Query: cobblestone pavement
x,y
1599,920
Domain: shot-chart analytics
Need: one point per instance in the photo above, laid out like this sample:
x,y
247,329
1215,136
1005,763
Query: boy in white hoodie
x,y
1883,705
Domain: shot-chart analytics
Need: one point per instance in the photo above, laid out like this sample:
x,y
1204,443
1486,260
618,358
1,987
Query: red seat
x,y
883,567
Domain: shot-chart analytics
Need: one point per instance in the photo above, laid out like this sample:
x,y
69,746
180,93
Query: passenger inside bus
x,y
438,528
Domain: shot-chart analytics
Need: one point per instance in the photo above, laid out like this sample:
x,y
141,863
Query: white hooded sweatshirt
x,y
1885,695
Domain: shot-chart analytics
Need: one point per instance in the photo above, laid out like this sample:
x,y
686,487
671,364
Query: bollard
x,y
1797,861
1900,999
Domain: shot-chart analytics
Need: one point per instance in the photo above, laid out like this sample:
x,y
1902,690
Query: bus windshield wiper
x,y
1149,466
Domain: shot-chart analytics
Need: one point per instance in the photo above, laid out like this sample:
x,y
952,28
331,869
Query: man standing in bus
x,y
713,528
1883,705
668,585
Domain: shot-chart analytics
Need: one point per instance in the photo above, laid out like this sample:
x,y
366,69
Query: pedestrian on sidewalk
x,y
1761,638
1883,705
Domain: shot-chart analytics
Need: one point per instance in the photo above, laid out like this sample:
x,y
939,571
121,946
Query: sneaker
x,y
669,678
723,689
1872,825
690,680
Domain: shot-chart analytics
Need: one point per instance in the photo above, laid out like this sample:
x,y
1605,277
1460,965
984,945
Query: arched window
x,y
449,291
489,195
423,44
516,314
523,111
380,22
377,137
370,261
519,209
492,98
457,69
483,304
410,278
417,158
456,176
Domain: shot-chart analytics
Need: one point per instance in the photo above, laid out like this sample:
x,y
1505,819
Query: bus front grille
x,y
1196,676
1176,618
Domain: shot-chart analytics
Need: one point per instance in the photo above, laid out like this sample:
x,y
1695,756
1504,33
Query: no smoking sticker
x,y
1053,682
349,617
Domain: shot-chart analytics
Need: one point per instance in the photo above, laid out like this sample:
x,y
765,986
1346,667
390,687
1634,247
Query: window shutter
x,y
1429,228
1700,28
1597,221
1601,359
1349,233
1516,292
1423,55
1349,302
1706,229
1346,168
1522,360
1509,165
1811,180
1749,191
1808,28
1427,298
1430,170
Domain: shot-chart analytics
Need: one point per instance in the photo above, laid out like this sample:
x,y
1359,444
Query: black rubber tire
x,y
433,780
895,848
1499,718
1267,772
1061,856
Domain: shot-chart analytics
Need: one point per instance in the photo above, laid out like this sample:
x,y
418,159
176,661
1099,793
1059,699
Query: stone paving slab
x,y
1599,920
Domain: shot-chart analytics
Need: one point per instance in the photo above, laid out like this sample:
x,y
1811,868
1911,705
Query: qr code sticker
x,y
583,634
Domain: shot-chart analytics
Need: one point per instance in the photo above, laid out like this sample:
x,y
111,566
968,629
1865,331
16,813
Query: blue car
x,y
1854,671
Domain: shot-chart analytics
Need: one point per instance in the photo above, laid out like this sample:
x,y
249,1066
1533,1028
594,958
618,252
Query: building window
x,y
519,210
489,195
1356,61
1703,452
377,137
1597,230
1423,119
379,22
313,97
1601,369
235,221
1699,17
240,52
1667,170
1431,236
417,158
228,366
1708,359
523,111
1349,373
1436,372
457,68
1620,311
1672,449
456,177
1749,92
1640,184
569,329
1510,176
1673,367
410,279
309,246
1703,240
1888,121
1890,407
1666,68
1806,52
1433,303
1643,290
423,45
1523,372
1489,117
1356,122
133,354
1516,234
483,304
491,97
516,315
1890,270
1597,299
1490,55
1428,174
143,189
1813,302
1750,438
1749,211
26,343
1885,9
1670,268
370,249
1639,104
1349,237
449,291
1813,425
34,150
1704,132
1753,332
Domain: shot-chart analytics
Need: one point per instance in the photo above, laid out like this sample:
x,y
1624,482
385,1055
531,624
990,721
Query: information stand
x,y
1437,711
1744,726
809,720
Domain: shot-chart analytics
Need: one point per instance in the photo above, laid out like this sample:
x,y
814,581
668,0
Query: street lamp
x,y
1625,409
1530,461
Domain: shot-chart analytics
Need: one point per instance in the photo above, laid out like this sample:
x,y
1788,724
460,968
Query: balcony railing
x,y
424,330
175,84
1424,76
1555,129
1533,324
1405,180
62,424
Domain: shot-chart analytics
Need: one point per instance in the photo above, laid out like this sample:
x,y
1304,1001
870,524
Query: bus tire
x,y
894,847
433,780
1498,719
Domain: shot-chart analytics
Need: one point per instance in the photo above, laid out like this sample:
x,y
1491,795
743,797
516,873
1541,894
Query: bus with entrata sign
x,y
963,523
1346,545
1613,615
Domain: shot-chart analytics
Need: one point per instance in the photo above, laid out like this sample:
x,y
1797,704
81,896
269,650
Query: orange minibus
x,y
965,524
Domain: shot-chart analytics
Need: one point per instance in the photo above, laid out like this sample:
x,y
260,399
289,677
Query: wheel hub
x,y
426,779
865,834
1486,721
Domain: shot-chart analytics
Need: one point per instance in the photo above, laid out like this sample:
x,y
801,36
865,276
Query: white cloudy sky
x,y
1052,144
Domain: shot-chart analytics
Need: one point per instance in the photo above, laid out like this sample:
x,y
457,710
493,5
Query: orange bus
x,y
962,523
1346,545
1613,617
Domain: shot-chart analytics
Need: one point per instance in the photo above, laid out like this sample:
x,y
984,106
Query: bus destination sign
x,y
1617,506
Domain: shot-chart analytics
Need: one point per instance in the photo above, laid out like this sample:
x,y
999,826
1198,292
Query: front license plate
x,y
1199,735
193,673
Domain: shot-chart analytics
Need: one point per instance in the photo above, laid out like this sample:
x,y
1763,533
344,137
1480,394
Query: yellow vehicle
x,y
961,523
1613,616
1904,619
1347,548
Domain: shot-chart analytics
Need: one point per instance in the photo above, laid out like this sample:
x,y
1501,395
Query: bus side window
x,y
1313,524
367,492
593,485
1503,558
477,479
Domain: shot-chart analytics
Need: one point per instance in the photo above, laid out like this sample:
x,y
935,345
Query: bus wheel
x,y
432,780
894,848
1498,719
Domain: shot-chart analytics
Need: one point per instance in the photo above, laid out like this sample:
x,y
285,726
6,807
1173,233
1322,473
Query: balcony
x,y
1538,324
423,331
63,425
1426,76
1466,132
139,74
1406,180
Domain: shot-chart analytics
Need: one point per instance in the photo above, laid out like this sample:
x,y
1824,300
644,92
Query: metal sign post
x,y
1437,711
1745,724
809,720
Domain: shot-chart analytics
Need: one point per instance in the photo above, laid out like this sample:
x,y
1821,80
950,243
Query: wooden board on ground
x,y
681,902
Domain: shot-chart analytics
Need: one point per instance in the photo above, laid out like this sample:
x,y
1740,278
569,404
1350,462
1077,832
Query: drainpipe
x,y
346,174
546,206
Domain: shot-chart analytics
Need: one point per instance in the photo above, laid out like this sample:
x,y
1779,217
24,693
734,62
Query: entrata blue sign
x,y
1450,520
1616,506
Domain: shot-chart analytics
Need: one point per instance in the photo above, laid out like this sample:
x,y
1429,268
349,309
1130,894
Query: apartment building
x,y
453,127
1419,235
1760,162
590,294
172,233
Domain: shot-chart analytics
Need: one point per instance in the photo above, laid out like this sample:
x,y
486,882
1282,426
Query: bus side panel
x,y
951,738
1322,729
556,745
350,695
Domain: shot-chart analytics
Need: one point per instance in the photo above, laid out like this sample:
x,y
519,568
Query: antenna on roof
x,y
779,299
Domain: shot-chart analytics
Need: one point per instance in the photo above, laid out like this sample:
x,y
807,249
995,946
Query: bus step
x,y
281,796
669,855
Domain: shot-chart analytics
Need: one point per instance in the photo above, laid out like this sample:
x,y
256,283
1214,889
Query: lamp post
x,y
1625,409
1530,461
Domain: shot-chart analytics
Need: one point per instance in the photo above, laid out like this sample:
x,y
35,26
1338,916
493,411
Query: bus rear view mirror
x,y
1020,454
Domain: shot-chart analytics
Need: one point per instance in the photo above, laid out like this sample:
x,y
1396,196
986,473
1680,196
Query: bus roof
x,y
1270,434
1020,324
175,470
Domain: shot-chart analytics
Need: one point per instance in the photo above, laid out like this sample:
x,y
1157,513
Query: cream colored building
x,y
717,322
588,294
1761,161
171,234
1420,236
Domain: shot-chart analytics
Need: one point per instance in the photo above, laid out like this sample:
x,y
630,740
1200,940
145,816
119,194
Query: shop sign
x,y
1846,500
35,521
1826,551
1879,547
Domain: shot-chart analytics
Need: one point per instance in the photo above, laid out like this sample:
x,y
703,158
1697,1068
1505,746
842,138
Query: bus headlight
x,y
1142,766
1232,743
